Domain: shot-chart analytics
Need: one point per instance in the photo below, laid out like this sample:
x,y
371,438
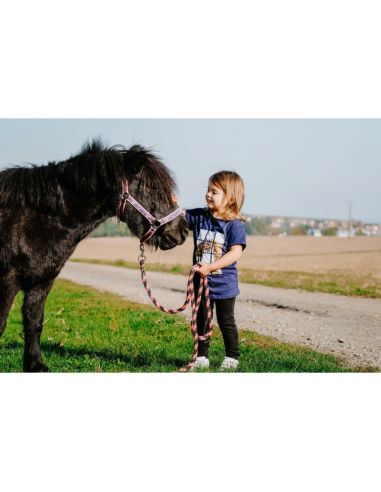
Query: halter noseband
x,y
153,221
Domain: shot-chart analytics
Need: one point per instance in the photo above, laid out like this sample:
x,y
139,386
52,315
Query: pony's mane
x,y
156,179
95,168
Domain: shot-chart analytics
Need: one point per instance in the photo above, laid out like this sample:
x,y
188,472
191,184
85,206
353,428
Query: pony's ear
x,y
135,158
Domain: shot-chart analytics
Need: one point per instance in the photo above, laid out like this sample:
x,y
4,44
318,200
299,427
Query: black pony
x,y
45,211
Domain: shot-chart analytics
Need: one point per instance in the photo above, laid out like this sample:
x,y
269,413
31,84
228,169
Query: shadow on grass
x,y
138,361
69,359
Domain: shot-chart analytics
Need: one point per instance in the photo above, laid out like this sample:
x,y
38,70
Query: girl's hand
x,y
203,269
175,199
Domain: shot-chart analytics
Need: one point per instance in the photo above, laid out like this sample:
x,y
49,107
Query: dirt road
x,y
347,327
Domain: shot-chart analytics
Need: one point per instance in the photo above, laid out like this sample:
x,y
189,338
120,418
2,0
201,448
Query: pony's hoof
x,y
35,366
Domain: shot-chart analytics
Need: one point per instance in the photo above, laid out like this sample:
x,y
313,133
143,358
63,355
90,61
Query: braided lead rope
x,y
190,297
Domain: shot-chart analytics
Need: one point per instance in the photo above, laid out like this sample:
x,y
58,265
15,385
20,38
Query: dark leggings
x,y
226,322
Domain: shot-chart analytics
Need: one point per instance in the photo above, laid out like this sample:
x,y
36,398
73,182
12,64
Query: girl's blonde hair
x,y
232,185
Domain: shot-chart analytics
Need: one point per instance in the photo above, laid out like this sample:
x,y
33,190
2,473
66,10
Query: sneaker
x,y
229,364
201,363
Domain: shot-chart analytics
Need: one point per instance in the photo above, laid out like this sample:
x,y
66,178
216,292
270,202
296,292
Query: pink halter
x,y
154,222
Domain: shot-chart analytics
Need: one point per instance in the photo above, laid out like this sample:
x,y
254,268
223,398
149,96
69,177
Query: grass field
x,y
89,331
327,264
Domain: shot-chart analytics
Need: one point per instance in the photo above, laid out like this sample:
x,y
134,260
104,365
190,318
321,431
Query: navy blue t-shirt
x,y
212,239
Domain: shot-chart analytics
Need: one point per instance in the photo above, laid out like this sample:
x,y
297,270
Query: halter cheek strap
x,y
153,221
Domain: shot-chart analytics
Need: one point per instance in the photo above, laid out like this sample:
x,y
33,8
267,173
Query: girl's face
x,y
215,198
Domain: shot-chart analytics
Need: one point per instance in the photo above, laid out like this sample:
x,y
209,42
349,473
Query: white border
x,y
181,59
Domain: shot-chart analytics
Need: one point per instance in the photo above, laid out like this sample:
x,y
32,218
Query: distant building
x,y
345,233
278,225
312,231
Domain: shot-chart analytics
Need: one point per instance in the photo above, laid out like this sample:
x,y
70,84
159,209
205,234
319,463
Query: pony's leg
x,y
8,292
33,317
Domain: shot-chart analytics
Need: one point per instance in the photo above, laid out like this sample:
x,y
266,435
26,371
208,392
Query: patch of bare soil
x,y
358,255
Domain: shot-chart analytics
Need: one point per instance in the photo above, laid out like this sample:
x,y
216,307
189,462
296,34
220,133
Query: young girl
x,y
219,239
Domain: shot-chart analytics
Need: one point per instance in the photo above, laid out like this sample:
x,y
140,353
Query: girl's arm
x,y
227,259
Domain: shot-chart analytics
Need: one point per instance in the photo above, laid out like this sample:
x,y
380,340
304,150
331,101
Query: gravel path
x,y
347,327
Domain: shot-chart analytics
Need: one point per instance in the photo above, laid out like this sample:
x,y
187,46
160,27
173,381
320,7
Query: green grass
x,y
89,331
330,283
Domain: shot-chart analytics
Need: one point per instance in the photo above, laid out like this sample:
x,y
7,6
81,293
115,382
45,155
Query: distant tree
x,y
299,231
329,231
258,226
284,228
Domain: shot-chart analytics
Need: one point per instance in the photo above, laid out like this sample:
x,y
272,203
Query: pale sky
x,y
291,167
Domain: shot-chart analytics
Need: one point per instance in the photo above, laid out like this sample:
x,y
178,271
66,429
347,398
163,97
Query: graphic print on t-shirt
x,y
209,247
